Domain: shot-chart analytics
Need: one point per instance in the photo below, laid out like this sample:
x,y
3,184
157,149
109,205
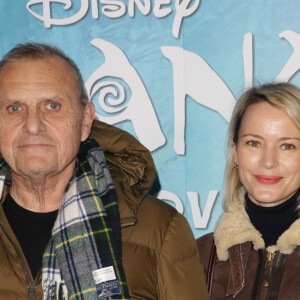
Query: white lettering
x,y
160,12
47,18
293,64
144,9
248,60
197,79
201,221
169,196
95,9
182,11
113,8
138,109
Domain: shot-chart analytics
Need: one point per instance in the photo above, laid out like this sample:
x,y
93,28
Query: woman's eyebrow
x,y
251,134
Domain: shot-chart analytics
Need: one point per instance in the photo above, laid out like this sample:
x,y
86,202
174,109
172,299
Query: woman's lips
x,y
268,179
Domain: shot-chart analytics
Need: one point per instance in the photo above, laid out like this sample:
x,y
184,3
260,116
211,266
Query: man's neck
x,y
39,194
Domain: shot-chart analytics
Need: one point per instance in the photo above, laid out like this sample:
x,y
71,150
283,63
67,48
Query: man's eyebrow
x,y
53,98
9,101
64,98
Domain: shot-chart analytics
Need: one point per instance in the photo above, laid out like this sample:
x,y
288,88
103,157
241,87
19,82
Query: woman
x,y
254,251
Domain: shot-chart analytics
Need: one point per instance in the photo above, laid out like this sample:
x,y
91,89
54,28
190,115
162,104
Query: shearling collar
x,y
234,227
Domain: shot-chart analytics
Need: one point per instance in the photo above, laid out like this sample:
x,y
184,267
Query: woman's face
x,y
268,154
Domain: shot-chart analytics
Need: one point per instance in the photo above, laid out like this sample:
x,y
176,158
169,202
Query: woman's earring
x,y
236,164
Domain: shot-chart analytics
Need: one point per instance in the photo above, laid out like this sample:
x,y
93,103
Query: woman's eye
x,y
287,147
14,108
52,106
253,143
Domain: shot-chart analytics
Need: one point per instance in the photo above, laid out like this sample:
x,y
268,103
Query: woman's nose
x,y
268,158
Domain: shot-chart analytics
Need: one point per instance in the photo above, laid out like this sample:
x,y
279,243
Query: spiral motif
x,y
112,95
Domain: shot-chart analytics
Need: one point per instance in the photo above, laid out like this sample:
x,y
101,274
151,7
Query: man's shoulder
x,y
156,209
160,229
159,252
154,220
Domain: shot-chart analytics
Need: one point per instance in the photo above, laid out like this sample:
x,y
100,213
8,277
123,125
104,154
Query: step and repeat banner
x,y
170,73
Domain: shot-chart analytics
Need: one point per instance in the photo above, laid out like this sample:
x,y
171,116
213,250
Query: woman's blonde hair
x,y
283,96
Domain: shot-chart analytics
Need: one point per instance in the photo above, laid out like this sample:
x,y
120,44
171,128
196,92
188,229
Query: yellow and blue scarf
x,y
83,257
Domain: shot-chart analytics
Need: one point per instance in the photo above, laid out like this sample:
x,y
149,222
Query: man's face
x,y
41,121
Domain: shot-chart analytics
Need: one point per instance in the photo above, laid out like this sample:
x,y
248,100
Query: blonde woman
x,y
254,251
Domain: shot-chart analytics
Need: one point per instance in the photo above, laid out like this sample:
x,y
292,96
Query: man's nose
x,y
34,123
269,158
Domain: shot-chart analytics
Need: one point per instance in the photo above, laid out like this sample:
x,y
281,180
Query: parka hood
x,y
131,166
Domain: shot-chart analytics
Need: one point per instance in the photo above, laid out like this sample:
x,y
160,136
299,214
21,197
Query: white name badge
x,y
104,274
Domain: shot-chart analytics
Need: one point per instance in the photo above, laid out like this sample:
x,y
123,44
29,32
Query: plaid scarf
x,y
83,257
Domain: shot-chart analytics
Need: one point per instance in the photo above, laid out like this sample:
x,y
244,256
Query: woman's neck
x,y
271,222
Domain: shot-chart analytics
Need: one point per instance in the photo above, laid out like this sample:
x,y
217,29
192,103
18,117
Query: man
x,y
69,227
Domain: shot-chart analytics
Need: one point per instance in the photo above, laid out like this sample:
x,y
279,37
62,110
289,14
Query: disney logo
x,y
116,9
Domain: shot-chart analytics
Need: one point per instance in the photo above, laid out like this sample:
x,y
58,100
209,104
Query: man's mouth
x,y
34,145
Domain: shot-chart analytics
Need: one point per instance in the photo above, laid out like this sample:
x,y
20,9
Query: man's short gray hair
x,y
43,51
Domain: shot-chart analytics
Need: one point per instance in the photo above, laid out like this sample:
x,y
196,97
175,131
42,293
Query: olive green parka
x,y
159,252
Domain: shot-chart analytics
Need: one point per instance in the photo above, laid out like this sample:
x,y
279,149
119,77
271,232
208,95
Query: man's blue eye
x,y
14,108
52,106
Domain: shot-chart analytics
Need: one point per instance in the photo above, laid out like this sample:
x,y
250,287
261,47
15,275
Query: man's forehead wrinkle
x,y
52,74
42,89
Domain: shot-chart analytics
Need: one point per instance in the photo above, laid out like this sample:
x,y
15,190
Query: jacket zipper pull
x,y
31,291
269,261
267,275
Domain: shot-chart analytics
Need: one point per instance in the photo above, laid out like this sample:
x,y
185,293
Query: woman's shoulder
x,y
205,240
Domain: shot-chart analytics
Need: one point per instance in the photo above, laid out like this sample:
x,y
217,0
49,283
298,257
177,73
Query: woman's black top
x,y
271,222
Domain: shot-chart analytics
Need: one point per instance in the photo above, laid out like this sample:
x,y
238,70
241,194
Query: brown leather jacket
x,y
159,252
244,269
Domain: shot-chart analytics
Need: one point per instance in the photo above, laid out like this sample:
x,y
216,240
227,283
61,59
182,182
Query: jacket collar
x,y
234,227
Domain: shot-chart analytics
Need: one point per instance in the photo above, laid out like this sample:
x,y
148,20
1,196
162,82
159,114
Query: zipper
x,y
270,259
31,291
31,284
267,275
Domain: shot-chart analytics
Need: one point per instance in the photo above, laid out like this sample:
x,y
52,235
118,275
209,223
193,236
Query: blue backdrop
x,y
169,72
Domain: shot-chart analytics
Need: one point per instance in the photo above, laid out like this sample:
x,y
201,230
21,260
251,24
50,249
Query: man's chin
x,y
34,173
35,168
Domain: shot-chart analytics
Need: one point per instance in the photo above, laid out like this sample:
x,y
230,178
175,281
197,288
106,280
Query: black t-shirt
x,y
32,230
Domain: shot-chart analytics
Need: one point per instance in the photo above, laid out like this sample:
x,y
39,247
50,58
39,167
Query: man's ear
x,y
87,120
